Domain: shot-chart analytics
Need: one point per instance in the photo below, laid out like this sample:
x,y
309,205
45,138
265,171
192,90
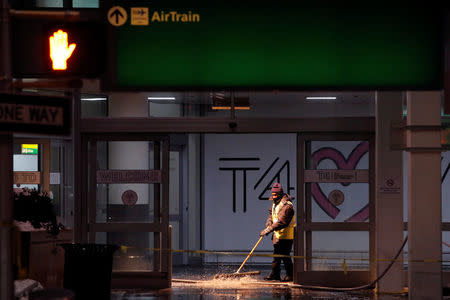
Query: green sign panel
x,y
275,44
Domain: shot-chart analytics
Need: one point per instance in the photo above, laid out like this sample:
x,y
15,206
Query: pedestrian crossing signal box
x,y
51,49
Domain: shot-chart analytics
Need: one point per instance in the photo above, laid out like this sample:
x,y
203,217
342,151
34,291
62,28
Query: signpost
x,y
35,54
27,114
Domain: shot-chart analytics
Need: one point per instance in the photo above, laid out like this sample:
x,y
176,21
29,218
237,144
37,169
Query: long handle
x,y
248,256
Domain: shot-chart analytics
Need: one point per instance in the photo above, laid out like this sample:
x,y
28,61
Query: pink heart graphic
x,y
342,164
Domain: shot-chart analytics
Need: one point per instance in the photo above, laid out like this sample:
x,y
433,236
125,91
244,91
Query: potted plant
x,y
35,207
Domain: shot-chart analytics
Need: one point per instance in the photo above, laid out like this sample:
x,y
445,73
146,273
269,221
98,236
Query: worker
x,y
281,222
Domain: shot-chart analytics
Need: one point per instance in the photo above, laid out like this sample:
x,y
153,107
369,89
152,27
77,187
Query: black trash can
x,y
87,270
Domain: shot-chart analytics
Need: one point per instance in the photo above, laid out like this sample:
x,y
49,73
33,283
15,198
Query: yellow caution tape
x,y
124,249
403,292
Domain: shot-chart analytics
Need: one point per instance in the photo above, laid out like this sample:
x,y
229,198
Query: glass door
x,y
336,210
127,201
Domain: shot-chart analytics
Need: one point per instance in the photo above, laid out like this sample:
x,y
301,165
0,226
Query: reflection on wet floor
x,y
194,284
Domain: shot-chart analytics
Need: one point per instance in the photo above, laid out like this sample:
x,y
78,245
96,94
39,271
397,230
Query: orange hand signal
x,y
60,51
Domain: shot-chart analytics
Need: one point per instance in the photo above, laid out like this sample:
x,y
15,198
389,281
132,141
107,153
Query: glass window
x,y
49,3
334,201
124,202
85,3
330,248
26,158
350,203
136,253
94,105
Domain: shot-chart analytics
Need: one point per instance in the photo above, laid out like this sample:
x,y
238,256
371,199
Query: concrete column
x,y
424,196
128,155
195,211
389,192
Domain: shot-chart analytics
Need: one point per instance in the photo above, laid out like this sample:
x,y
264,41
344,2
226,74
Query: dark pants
x,y
282,247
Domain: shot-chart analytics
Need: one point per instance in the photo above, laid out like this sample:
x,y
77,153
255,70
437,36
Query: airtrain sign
x,y
293,45
34,114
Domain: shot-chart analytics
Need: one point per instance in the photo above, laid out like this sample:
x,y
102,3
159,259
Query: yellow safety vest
x,y
286,233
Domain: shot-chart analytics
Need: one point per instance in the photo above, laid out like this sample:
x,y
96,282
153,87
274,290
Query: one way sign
x,y
35,114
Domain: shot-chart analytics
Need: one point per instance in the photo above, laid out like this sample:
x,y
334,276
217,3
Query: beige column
x,y
389,192
128,155
424,195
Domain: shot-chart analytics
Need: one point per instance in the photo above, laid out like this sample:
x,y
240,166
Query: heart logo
x,y
342,164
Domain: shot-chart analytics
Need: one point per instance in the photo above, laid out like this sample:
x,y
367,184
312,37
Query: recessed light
x,y
94,99
161,98
321,98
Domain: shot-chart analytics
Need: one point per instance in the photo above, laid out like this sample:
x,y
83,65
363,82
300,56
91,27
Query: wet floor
x,y
194,284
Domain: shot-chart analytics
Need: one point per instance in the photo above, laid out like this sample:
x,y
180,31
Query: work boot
x,y
273,276
275,273
289,270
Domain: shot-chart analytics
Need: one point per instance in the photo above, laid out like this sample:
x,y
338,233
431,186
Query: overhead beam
x,y
67,15
216,125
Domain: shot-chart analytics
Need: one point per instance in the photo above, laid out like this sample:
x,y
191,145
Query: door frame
x,y
161,276
181,216
303,244
157,126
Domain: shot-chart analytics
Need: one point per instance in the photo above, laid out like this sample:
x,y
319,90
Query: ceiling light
x,y
161,98
321,98
94,99
229,107
221,107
